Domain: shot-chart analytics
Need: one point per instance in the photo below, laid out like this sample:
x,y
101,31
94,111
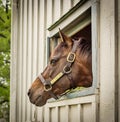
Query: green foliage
x,y
5,27
5,20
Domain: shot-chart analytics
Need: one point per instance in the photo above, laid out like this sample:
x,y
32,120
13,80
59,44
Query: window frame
x,y
65,21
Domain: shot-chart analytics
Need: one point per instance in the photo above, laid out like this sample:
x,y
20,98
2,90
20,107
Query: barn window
x,y
81,20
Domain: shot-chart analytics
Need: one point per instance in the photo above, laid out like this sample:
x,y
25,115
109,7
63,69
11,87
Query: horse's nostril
x,y
28,92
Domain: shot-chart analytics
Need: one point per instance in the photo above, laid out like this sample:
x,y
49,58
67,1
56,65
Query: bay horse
x,y
70,66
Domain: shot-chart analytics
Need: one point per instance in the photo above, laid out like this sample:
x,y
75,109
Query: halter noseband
x,y
66,70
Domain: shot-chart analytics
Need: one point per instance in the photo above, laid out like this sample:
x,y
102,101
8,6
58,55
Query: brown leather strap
x,y
53,95
41,78
72,83
75,45
45,83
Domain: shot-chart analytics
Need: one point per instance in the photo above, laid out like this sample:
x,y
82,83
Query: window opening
x,y
84,25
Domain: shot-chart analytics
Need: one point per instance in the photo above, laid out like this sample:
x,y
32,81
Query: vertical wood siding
x,y
29,56
107,61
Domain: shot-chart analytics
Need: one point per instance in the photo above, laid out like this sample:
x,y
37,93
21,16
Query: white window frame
x,y
65,21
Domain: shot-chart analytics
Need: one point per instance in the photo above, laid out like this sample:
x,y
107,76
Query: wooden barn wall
x,y
30,20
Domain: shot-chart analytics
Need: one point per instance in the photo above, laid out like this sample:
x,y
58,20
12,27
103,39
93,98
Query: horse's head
x,y
69,67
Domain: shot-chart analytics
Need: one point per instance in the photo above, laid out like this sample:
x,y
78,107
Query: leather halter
x,y
66,70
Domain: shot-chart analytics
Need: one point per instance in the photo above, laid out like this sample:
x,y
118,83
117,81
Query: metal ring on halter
x,y
67,69
47,86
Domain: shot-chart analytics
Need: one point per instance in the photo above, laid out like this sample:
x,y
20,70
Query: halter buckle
x,y
71,57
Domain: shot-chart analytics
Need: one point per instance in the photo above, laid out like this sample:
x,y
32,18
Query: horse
x,y
70,66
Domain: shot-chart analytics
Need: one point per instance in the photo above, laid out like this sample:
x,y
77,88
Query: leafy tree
x,y
5,27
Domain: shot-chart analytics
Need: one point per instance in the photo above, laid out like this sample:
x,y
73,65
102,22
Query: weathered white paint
x,y
71,110
66,5
71,18
30,21
29,57
95,41
56,6
75,2
13,75
107,61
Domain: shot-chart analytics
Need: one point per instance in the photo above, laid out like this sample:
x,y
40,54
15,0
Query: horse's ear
x,y
61,35
65,38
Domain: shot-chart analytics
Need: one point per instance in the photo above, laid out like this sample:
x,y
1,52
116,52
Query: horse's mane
x,y
85,48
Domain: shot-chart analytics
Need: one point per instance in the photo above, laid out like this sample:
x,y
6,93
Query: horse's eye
x,y
53,61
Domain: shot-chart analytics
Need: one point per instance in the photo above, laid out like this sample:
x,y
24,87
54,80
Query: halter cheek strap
x,y
66,70
47,86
